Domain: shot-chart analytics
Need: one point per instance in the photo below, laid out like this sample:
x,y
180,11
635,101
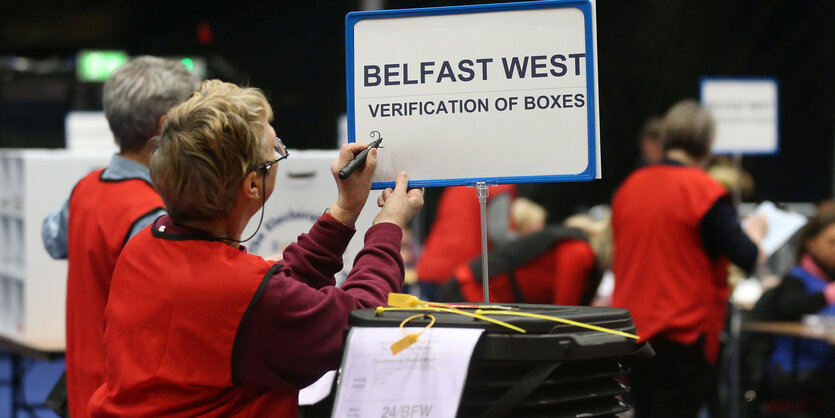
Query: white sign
x,y
304,188
503,93
424,380
746,113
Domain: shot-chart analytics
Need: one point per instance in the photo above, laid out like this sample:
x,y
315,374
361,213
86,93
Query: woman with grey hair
x,y
109,206
675,229
137,96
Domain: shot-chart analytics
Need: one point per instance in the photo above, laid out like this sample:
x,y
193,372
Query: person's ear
x,y
160,121
251,186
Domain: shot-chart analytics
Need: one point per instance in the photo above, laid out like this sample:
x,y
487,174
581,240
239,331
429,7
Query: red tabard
x,y
102,213
174,311
558,277
455,237
663,275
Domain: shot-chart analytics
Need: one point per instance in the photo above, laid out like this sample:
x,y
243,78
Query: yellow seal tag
x,y
404,343
412,338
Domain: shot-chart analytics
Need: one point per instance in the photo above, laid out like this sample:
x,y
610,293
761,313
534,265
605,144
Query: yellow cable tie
x,y
405,300
459,312
565,321
410,339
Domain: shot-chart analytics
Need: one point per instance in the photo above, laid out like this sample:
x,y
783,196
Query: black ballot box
x,y
552,370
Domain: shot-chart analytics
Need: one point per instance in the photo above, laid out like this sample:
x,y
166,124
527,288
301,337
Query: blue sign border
x,y
745,79
584,6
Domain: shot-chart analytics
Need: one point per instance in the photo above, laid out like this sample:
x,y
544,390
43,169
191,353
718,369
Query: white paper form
x,y
424,380
317,391
782,226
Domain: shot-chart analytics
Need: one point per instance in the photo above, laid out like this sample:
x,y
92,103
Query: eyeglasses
x,y
282,152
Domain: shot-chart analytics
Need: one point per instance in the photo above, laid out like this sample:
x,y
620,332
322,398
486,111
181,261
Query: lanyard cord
x,y
263,205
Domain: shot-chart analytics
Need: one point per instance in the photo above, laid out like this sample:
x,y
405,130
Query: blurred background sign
x,y
746,113
96,66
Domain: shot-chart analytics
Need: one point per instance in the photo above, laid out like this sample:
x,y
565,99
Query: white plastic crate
x,y
304,188
32,284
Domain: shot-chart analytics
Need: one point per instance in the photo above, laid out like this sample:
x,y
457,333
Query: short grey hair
x,y
139,92
690,127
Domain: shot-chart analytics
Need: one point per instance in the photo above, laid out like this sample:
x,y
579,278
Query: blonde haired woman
x,y
194,324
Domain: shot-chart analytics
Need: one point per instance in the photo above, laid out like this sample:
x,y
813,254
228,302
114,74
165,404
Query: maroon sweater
x,y
293,331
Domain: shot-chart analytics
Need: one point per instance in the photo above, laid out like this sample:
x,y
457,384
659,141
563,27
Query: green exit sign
x,y
96,66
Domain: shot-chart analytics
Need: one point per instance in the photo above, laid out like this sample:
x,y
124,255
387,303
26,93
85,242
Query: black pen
x,y
358,160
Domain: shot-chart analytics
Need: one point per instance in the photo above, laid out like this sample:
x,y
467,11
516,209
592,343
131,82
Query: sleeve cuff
x,y
326,216
384,231
331,230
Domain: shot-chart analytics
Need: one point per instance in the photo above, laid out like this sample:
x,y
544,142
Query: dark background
x,y
651,54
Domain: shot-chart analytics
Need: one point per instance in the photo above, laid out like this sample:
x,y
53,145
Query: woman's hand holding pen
x,y
353,191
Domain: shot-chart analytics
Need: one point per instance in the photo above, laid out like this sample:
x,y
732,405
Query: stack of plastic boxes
x,y
11,251
32,285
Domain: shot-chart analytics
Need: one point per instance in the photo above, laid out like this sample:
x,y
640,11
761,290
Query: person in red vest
x,y
559,265
455,236
674,230
194,324
553,266
109,206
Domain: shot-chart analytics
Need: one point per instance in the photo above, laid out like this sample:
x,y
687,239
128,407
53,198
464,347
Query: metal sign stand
x,y
483,192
